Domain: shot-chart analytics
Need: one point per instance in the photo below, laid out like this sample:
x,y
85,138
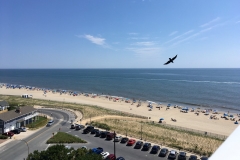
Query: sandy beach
x,y
189,120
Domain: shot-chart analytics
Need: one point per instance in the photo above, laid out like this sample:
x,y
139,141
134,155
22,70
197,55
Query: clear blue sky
x,y
119,33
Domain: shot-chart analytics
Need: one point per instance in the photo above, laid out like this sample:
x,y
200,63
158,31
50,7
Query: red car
x,y
9,134
111,157
131,142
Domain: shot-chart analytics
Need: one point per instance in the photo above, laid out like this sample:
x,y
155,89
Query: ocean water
x,y
211,88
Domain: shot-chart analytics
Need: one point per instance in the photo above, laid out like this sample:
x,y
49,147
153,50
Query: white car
x,y
104,154
23,129
118,138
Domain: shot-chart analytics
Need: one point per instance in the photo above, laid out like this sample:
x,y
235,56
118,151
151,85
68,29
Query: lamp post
x,y
114,135
26,144
141,130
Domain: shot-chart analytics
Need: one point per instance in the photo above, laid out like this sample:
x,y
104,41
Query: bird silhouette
x,y
170,60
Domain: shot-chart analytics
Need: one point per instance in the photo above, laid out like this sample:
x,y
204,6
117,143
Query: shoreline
x,y
221,109
187,120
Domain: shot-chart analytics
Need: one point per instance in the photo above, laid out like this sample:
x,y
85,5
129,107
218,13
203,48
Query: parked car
x,y
110,136
172,154
118,138
9,134
23,129
97,150
192,157
146,146
98,133
94,131
105,154
120,158
16,131
84,147
124,140
163,152
88,129
155,149
182,156
131,142
104,134
79,127
204,158
111,157
73,126
138,145
50,123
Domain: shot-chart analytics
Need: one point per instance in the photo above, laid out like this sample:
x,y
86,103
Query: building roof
x,y
6,116
4,103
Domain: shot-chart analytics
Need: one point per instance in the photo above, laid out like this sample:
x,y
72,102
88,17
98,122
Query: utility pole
x,y
26,144
114,135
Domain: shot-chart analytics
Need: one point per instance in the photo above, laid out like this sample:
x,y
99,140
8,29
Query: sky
x,y
119,34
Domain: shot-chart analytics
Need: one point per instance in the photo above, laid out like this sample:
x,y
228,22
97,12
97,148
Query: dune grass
x,y
183,140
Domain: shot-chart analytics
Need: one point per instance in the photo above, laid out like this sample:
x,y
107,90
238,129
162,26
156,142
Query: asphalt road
x,y
18,150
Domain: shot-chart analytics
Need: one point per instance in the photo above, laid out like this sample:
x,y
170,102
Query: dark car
x,y
78,127
163,152
192,157
9,134
204,158
98,133
124,140
182,156
88,129
146,146
94,131
104,134
138,145
16,131
172,154
155,149
120,158
72,126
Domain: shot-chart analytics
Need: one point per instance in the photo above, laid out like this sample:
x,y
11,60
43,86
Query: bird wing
x,y
167,63
174,57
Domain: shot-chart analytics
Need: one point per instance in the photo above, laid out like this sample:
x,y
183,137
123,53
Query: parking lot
x,y
126,150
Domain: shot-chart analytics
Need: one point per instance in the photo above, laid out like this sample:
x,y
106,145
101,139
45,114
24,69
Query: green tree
x,y
60,152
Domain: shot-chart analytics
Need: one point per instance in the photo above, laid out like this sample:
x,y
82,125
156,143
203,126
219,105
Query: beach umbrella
x,y
161,119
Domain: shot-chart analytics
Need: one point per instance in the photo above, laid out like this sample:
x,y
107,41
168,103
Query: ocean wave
x,y
192,81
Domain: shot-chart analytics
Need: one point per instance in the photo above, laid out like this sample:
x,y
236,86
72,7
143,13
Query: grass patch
x,y
62,137
42,121
3,137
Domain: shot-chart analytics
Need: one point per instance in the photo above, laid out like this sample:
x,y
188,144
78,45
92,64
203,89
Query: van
x,y
50,122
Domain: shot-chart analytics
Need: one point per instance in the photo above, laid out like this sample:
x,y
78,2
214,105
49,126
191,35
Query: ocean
x,y
209,88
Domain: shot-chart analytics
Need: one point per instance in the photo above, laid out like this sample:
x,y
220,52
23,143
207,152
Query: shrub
x,y
3,137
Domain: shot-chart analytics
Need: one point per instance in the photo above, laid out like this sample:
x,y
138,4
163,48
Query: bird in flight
x,y
170,60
